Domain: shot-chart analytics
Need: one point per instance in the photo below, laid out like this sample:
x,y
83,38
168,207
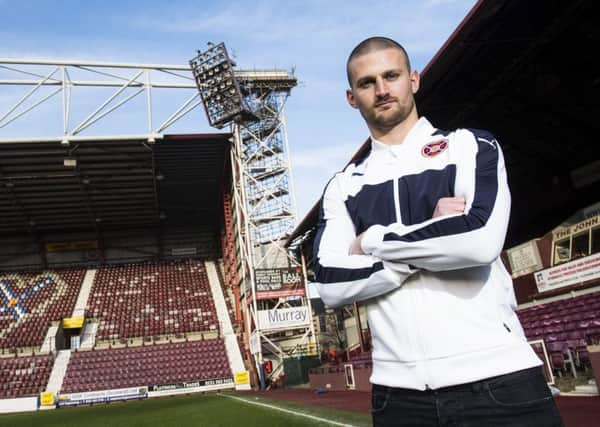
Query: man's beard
x,y
387,119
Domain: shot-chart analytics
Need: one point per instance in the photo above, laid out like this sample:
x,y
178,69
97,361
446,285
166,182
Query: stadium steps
x,y
84,294
49,344
231,344
58,371
88,334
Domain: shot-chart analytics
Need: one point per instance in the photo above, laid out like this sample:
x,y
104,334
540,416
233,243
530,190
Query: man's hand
x,y
449,206
355,246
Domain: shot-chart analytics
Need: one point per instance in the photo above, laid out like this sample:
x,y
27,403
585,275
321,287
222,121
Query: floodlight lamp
x,y
216,83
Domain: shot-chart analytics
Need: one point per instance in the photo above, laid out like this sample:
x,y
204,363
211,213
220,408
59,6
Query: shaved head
x,y
374,44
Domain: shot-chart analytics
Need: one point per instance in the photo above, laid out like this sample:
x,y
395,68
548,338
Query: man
x,y
415,228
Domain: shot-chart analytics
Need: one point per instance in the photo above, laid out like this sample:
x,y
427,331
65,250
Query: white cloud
x,y
316,25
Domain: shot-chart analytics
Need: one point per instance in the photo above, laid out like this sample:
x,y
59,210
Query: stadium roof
x,y
527,72
49,188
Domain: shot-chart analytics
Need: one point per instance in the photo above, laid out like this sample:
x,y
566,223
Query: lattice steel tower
x,y
262,200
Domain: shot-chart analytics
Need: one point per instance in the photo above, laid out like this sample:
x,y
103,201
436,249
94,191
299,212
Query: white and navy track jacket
x,y
440,303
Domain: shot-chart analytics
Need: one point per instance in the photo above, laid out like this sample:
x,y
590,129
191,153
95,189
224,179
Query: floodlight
x,y
217,85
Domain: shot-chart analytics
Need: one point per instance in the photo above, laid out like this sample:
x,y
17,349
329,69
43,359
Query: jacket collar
x,y
422,131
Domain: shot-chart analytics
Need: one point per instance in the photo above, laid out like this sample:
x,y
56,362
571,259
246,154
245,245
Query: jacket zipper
x,y
420,344
397,200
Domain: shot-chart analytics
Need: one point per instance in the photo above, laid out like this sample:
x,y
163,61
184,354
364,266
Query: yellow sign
x,y
71,246
72,322
242,377
47,398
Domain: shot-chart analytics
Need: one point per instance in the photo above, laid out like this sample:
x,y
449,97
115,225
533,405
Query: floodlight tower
x,y
262,203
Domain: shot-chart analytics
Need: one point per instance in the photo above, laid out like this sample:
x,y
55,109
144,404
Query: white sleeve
x,y
457,241
343,278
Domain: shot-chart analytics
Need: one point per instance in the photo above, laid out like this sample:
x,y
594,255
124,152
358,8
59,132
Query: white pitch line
x,y
277,408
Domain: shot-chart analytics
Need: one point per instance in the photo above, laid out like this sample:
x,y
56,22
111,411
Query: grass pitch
x,y
190,410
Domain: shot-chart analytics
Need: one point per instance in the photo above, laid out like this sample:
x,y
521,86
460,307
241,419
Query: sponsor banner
x,y
271,279
242,378
278,282
563,232
281,294
524,259
189,384
47,398
183,251
102,396
284,318
72,322
569,273
71,246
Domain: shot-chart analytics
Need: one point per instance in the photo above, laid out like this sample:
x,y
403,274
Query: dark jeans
x,y
518,399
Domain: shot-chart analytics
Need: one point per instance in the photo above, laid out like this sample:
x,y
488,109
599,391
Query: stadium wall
x,y
21,404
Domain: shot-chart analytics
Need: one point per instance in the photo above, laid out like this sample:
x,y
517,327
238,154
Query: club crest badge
x,y
432,149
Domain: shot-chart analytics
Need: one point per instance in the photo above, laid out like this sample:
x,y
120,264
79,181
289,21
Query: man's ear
x,y
350,98
415,81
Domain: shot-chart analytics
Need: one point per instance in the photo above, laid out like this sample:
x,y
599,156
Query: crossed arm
x,y
445,206
464,231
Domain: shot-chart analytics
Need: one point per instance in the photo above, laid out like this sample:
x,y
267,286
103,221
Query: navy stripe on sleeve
x,y
336,274
373,204
418,193
486,190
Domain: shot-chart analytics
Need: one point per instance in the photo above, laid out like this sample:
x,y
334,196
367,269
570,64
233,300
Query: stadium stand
x,y
566,326
577,317
24,376
146,365
152,299
30,301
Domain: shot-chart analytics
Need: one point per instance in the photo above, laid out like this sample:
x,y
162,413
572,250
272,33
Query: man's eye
x,y
392,76
365,85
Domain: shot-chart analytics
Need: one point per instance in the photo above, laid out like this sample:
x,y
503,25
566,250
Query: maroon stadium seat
x,y
24,376
152,299
42,297
148,365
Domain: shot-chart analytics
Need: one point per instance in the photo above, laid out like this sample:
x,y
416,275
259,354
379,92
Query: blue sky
x,y
313,36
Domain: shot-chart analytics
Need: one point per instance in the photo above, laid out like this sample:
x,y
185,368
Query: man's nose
x,y
381,89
